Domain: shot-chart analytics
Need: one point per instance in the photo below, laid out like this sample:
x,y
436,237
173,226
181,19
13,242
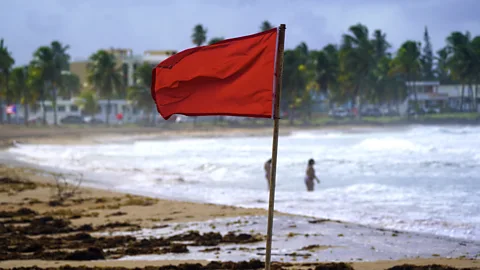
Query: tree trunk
x,y
107,116
9,117
472,97
461,97
25,109
42,98
44,116
291,116
415,93
2,110
8,100
54,105
358,102
476,97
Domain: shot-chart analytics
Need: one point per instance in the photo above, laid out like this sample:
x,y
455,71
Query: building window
x,y
48,108
61,108
74,108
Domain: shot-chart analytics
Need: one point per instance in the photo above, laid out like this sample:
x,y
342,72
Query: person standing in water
x,y
267,167
310,175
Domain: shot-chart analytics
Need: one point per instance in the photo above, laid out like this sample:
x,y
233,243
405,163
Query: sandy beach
x,y
99,228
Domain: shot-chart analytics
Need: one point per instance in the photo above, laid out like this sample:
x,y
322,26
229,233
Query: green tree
x,y
442,72
380,45
326,68
70,84
61,63
295,78
105,76
407,63
462,61
18,81
199,35
357,60
476,52
427,57
215,40
266,25
43,60
140,94
88,102
6,63
34,85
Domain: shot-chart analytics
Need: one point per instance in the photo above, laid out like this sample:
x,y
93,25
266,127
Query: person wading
x,y
267,167
310,175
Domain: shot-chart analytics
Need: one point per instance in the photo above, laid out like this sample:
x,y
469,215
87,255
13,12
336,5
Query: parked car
x,y
93,121
338,113
372,112
73,119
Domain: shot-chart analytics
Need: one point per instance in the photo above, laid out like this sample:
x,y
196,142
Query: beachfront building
x,y
127,61
454,92
428,96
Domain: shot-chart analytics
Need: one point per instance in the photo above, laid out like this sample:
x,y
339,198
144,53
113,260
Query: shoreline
x,y
94,135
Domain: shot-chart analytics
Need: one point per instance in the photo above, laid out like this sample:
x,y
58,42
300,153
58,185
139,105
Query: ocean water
x,y
419,179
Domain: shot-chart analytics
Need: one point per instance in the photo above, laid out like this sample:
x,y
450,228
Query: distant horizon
x,y
146,25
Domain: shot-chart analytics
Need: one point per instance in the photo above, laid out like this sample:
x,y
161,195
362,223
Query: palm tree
x,y
20,89
295,78
61,61
88,102
358,59
326,67
266,25
44,61
380,44
140,94
34,83
70,84
407,63
105,77
462,61
442,72
199,35
476,50
215,40
6,63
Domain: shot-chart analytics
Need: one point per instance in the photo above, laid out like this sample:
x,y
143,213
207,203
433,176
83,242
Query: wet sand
x,y
97,228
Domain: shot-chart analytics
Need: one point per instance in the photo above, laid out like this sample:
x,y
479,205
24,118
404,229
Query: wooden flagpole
x,y
276,118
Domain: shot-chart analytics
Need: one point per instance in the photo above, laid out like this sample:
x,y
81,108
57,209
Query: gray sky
x,y
88,25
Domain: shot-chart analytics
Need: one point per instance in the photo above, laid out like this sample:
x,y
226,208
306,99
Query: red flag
x,y
232,77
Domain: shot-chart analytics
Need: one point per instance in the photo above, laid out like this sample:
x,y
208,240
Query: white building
x,y
70,107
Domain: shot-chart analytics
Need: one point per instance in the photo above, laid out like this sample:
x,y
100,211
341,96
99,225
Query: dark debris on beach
x,y
26,235
252,264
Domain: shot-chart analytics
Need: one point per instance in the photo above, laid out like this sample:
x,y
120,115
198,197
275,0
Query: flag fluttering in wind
x,y
232,77
239,77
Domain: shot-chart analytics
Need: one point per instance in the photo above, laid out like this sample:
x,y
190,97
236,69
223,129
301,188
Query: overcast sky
x,y
87,25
